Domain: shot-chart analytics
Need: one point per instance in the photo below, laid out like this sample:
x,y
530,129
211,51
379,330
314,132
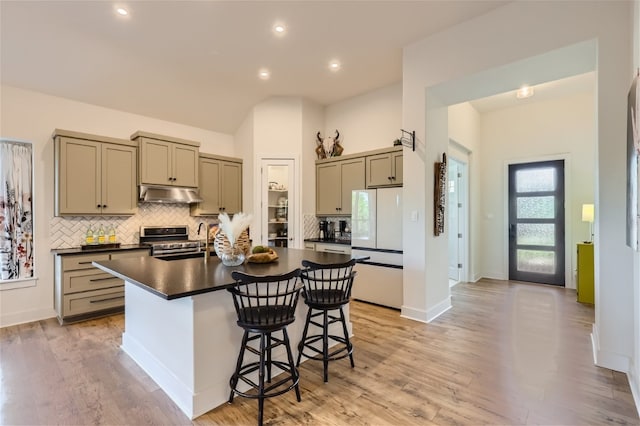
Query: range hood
x,y
169,194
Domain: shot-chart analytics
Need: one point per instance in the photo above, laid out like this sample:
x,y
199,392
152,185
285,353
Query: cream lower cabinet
x,y
167,161
384,169
83,291
220,186
94,175
334,182
333,248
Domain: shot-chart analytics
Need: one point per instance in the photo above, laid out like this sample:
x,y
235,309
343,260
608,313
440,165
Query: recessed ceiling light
x,y
334,65
264,74
279,29
524,92
122,11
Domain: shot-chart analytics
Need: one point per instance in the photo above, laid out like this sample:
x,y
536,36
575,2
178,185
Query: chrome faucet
x,y
206,240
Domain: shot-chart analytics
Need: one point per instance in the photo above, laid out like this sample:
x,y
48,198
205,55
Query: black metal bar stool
x,y
326,288
265,304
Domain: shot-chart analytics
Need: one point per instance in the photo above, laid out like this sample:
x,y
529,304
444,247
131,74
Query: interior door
x,y
536,222
454,216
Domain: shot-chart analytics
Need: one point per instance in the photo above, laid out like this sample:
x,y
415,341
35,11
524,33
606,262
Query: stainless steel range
x,y
169,240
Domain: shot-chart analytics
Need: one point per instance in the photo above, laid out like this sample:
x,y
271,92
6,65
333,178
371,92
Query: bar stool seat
x,y
326,288
264,305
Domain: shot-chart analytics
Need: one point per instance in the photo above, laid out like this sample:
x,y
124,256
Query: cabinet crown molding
x,y
87,136
141,134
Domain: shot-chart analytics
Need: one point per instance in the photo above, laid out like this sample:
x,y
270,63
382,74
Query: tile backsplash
x,y
69,231
311,225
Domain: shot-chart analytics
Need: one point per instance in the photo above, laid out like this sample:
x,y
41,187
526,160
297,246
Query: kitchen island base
x,y
189,346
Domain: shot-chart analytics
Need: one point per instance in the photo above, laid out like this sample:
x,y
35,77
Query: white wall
x,y
634,373
470,53
312,122
244,147
368,121
33,116
554,129
277,130
464,129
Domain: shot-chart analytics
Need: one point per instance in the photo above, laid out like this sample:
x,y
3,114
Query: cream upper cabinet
x,y
384,169
220,186
166,160
334,182
94,175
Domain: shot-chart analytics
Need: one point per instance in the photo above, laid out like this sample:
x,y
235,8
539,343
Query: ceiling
x,y
581,83
578,84
197,62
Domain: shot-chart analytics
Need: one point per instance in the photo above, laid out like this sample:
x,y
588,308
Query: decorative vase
x,y
223,247
232,255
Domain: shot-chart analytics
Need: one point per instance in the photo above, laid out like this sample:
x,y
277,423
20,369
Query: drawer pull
x,y
103,279
108,299
85,263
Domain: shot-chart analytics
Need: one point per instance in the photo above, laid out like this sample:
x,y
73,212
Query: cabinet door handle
x,y
108,299
103,279
390,177
104,206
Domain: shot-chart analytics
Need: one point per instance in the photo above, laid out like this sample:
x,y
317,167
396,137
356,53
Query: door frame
x,y
462,155
568,213
294,208
463,219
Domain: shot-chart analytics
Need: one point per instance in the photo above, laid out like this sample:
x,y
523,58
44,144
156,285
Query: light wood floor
x,y
506,353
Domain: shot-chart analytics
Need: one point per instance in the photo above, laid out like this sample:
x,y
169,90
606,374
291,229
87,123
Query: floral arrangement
x,y
233,227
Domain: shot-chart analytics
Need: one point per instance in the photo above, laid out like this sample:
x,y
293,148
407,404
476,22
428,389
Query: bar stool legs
x,y
308,343
264,388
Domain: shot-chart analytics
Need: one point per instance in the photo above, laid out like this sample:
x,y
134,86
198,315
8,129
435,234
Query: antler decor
x,y
329,146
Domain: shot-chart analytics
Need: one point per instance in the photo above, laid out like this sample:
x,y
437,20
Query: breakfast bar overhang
x,y
182,331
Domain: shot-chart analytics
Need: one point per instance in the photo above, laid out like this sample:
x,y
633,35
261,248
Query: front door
x,y
536,222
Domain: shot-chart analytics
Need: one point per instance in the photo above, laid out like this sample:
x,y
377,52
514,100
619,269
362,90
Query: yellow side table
x,y
585,275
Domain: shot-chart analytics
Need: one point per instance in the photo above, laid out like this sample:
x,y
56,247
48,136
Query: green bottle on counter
x,y
88,239
112,235
101,239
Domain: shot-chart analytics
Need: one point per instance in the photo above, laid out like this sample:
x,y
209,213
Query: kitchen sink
x,y
182,256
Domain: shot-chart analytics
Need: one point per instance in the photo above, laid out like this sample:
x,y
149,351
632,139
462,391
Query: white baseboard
x,y
413,314
439,309
7,320
607,359
632,377
428,315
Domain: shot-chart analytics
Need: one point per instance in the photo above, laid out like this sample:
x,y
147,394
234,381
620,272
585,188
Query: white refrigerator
x,y
376,232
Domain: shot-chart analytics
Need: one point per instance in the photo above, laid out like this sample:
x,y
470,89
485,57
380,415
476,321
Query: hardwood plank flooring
x,y
507,353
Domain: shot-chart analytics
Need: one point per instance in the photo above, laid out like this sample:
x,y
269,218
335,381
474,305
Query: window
x,y
16,219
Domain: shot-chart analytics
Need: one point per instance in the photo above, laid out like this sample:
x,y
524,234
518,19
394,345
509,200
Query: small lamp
x,y
587,216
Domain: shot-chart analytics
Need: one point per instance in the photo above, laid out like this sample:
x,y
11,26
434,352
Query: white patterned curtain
x,y
16,221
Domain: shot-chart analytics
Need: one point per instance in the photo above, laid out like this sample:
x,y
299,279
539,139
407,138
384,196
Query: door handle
x,y
512,230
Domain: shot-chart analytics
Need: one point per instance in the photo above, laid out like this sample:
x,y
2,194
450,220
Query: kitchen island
x,y
182,330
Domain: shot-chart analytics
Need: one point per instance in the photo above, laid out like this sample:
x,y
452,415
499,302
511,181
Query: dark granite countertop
x,y
187,277
318,240
98,249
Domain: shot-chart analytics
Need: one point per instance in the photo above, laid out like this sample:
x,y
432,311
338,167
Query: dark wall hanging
x,y
439,195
